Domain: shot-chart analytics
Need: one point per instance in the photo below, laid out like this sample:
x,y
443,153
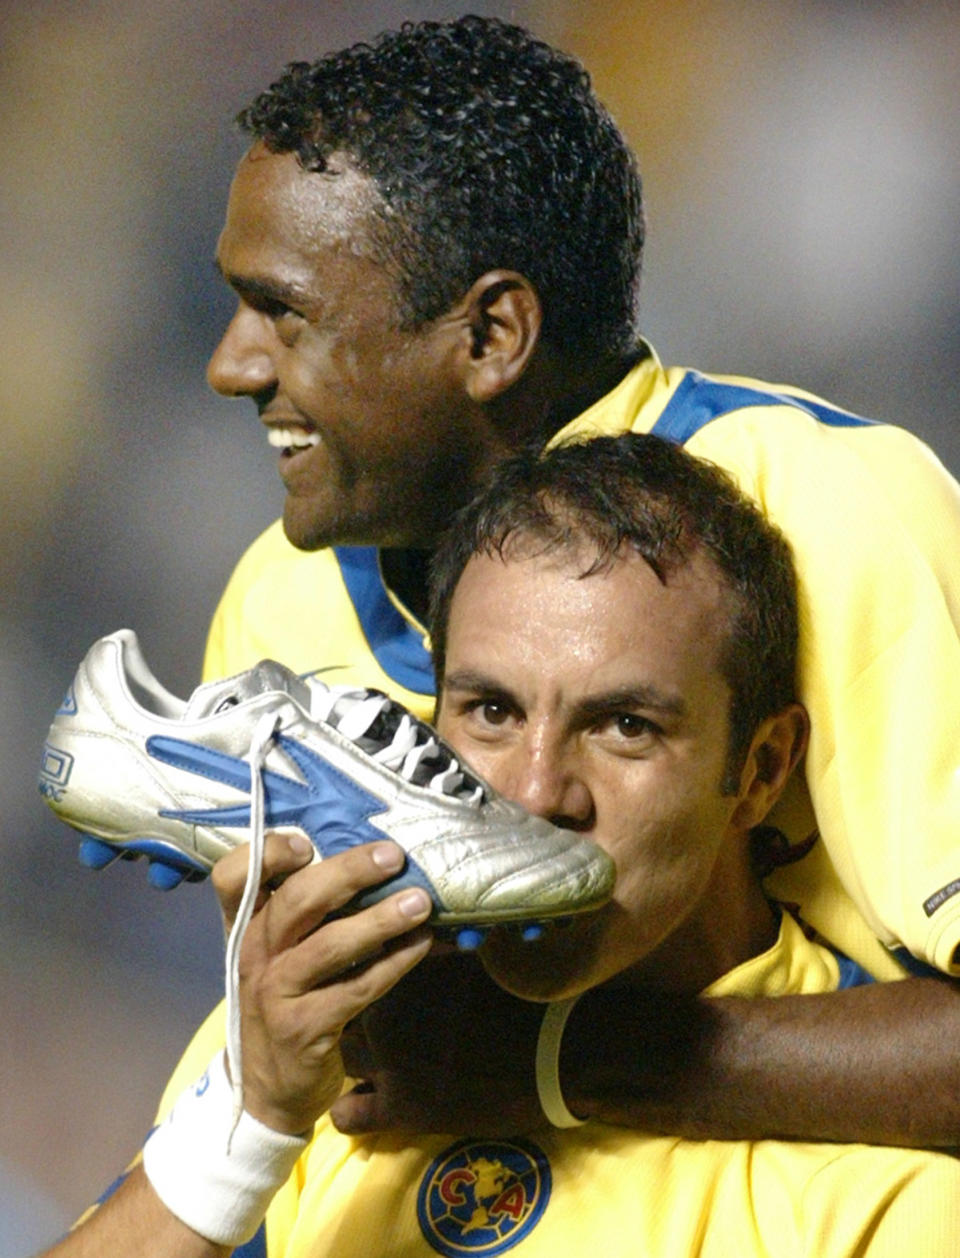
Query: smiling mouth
x,y
292,440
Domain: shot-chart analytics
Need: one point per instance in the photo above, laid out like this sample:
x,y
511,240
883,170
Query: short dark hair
x,y
641,492
489,149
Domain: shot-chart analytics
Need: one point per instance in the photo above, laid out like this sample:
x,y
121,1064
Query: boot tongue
x,y
266,677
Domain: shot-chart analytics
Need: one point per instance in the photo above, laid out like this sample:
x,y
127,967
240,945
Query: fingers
x,y
293,949
282,855
340,994
299,906
295,1002
350,942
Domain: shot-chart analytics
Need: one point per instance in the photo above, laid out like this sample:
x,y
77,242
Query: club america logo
x,y
483,1197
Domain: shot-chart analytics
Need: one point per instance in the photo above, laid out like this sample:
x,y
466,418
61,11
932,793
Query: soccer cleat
x,y
140,772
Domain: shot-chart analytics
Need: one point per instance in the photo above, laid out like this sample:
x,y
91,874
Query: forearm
x,y
134,1223
877,1064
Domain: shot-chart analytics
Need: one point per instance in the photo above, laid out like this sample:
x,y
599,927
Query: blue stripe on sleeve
x,y
397,647
697,400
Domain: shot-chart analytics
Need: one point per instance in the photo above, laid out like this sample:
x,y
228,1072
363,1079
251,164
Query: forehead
x,y
280,215
542,613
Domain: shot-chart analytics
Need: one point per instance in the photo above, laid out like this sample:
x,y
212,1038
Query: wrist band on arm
x,y
223,1195
548,1064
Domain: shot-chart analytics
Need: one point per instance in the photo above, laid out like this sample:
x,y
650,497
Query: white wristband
x,y
217,1183
548,1064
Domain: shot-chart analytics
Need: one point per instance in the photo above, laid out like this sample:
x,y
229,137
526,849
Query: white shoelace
x,y
403,754
260,744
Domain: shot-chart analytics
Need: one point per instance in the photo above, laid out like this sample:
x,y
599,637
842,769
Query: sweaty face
x,y
597,702
377,439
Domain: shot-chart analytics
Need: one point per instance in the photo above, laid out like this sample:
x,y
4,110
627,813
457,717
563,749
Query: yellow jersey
x,y
606,1189
874,523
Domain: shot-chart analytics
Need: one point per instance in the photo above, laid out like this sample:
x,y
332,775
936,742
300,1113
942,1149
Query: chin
x,y
552,968
311,528
303,531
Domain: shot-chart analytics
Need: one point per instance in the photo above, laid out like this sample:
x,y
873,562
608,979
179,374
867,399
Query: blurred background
x,y
802,176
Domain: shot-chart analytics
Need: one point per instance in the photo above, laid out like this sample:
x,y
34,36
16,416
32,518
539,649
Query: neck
x,y
539,405
406,571
551,394
732,922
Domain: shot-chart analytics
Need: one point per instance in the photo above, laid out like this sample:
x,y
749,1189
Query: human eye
x,y
627,733
493,712
287,324
278,311
482,717
632,725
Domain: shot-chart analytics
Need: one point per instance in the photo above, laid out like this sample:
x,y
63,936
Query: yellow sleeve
x,y
874,522
206,1043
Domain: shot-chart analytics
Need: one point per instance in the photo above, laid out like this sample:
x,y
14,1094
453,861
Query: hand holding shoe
x,y
305,975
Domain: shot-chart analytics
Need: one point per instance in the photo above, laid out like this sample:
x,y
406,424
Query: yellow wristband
x,y
548,1064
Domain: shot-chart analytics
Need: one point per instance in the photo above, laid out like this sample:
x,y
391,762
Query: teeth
x,y
292,438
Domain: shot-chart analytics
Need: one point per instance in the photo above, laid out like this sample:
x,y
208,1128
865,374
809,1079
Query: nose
x,y
242,364
549,783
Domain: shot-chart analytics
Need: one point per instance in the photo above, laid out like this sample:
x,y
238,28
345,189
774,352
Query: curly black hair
x,y
594,498
489,149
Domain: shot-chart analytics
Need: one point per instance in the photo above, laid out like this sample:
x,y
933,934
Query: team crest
x,y
483,1197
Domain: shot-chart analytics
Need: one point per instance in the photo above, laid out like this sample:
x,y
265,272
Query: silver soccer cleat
x,y
139,771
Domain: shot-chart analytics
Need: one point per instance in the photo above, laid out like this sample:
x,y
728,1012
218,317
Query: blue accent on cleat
x,y
164,853
96,854
168,866
333,810
164,877
532,931
469,938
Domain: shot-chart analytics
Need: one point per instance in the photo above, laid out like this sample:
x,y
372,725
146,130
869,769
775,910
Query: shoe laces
x,y
391,736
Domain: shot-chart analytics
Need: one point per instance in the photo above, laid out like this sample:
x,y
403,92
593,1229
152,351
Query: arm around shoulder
x,y
874,1064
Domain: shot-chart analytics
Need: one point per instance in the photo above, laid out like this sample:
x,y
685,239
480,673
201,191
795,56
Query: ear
x,y
776,749
503,317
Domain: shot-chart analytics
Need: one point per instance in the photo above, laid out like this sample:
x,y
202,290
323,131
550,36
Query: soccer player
x,y
435,242
615,631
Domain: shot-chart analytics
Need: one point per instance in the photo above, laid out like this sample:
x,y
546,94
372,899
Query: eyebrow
x,y
261,290
472,679
644,696
648,697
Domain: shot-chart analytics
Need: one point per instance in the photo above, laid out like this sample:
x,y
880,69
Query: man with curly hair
x,y
436,244
435,241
